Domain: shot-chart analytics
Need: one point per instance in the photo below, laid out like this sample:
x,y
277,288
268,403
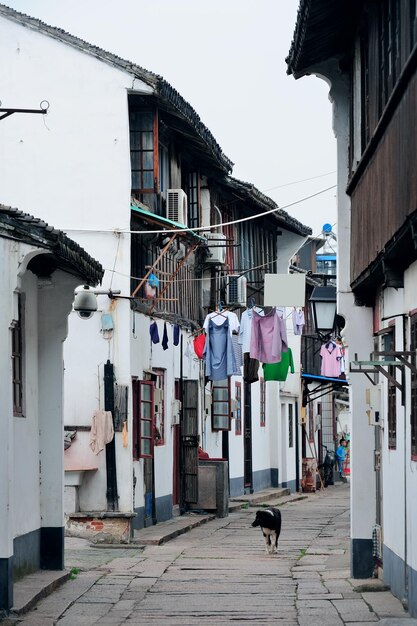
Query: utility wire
x,y
200,228
295,182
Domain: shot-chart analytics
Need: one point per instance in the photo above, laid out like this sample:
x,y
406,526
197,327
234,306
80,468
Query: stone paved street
x,y
219,573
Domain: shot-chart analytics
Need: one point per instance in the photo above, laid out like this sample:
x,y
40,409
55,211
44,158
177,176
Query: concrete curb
x,y
28,595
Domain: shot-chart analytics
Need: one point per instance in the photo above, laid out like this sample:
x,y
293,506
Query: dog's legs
x,y
274,542
267,541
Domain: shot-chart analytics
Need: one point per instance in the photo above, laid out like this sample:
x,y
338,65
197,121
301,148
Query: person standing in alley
x,y
340,457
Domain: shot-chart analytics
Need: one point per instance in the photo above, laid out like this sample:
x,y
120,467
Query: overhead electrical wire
x,y
295,182
200,228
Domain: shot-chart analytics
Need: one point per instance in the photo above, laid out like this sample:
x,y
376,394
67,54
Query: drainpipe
x,y
297,451
111,476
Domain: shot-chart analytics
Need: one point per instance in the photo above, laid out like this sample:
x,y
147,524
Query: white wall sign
x,y
284,290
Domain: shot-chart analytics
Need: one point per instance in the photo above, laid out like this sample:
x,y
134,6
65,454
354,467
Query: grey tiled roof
x,y
267,204
160,86
15,224
324,29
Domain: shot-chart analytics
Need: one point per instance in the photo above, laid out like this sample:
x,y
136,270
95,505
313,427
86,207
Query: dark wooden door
x,y
189,442
247,444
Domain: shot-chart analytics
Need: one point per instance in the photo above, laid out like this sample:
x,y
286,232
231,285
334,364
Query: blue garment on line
x,y
218,352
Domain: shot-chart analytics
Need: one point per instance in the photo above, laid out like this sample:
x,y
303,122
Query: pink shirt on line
x,y
330,360
268,338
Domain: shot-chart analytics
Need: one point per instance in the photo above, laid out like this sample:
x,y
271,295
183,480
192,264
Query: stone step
x,y
266,495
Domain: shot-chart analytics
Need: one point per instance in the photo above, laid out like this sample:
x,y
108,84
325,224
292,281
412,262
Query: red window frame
x,y
143,426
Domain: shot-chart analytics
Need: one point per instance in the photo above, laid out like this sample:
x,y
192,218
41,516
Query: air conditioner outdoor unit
x,y
217,248
236,290
176,209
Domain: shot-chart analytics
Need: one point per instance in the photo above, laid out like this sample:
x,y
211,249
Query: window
x,y
290,426
144,151
17,360
262,401
143,419
157,377
193,200
163,169
238,418
413,347
413,23
221,405
311,422
388,342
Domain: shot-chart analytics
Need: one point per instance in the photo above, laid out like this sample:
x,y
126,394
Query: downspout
x,y
111,475
297,451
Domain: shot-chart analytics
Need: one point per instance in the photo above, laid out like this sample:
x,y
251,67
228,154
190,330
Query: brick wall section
x,y
99,529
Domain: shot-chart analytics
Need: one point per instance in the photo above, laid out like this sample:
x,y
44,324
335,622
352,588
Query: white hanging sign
x,y
284,289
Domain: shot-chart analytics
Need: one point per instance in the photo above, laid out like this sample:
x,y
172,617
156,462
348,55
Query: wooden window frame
x,y
142,420
193,208
238,418
290,425
262,402
155,150
157,378
17,355
311,422
214,415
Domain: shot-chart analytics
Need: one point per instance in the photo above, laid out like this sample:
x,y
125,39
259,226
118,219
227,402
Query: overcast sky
x,y
227,59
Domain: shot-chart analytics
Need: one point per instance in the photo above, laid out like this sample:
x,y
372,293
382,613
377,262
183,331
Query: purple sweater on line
x,y
268,338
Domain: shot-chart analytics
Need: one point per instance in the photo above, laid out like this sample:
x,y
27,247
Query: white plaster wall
x,y
358,330
399,471
236,469
26,509
76,165
7,269
260,434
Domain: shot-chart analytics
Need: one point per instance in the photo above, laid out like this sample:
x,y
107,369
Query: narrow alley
x,y
219,573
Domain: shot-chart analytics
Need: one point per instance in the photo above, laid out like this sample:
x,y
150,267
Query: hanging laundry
x,y
245,331
199,343
298,321
330,359
165,337
188,352
102,431
219,318
124,435
237,349
250,369
153,331
218,351
150,292
153,280
176,334
279,371
269,337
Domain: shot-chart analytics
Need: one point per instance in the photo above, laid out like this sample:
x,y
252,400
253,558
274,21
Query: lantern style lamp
x,y
323,308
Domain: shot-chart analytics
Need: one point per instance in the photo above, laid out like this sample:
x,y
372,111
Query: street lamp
x,y
323,309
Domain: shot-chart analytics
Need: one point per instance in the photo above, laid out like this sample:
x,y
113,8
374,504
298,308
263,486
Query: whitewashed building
x,y
120,163
41,267
367,53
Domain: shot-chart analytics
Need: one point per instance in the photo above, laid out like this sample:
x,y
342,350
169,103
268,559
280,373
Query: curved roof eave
x,y
267,204
15,224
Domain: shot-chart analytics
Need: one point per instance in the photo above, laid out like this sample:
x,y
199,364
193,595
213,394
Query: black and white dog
x,y
270,522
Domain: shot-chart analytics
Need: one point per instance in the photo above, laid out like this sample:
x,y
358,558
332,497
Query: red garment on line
x,y
199,343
